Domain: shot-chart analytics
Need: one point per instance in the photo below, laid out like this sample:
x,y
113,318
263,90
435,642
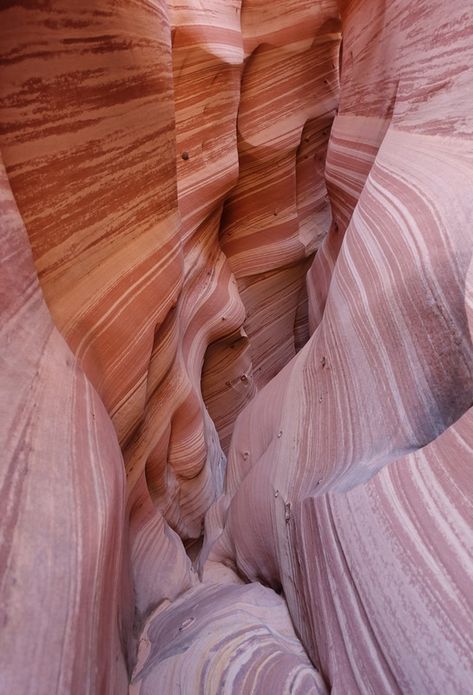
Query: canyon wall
x,y
220,240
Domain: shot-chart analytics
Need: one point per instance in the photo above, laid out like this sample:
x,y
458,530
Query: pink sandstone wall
x,y
169,171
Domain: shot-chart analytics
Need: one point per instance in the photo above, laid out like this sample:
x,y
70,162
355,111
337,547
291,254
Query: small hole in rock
x,y
186,623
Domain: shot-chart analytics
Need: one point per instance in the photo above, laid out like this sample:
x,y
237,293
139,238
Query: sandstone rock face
x,y
219,240
63,498
224,638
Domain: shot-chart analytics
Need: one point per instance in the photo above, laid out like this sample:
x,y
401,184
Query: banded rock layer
x,y
168,177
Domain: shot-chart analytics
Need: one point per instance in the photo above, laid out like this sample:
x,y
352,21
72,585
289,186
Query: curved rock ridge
x,y
63,498
93,109
404,625
278,213
118,132
224,638
199,264
368,565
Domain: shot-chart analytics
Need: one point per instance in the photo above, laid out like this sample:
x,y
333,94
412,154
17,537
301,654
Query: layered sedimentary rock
x,y
168,179
63,498
277,214
388,369
224,638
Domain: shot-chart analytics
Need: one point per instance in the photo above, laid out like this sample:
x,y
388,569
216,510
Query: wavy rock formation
x,y
221,240
387,370
63,494
224,638
277,214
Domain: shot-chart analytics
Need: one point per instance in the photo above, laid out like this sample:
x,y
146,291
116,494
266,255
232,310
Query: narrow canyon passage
x,y
236,347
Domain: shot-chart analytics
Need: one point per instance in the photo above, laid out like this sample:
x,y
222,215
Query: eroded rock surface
x,y
218,240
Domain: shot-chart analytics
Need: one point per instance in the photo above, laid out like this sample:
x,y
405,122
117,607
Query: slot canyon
x,y
236,351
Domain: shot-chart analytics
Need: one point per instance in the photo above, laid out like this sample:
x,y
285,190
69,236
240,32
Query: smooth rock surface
x,y
63,565
218,240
